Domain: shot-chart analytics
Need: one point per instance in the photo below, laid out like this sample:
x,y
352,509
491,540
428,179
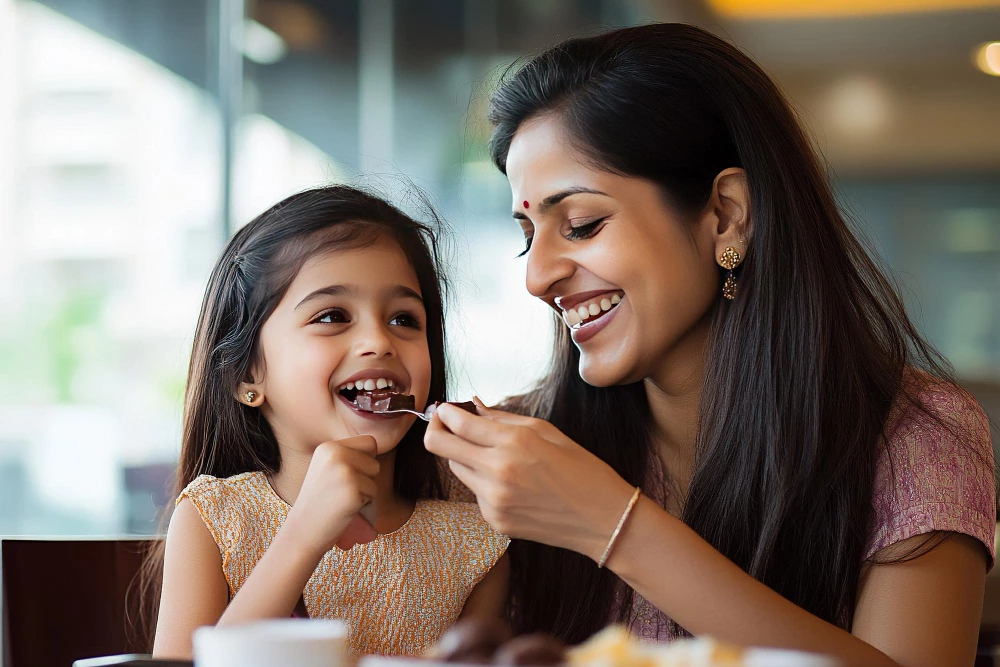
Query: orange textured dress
x,y
398,594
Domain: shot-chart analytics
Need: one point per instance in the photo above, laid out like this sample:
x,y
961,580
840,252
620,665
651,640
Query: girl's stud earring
x,y
526,204
729,259
250,396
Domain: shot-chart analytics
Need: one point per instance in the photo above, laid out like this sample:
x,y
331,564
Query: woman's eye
x,y
585,231
527,247
335,316
406,320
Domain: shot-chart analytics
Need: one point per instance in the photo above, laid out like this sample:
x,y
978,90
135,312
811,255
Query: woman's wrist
x,y
601,518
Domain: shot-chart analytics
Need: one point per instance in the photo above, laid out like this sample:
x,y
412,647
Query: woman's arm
x,y
194,591
489,597
534,483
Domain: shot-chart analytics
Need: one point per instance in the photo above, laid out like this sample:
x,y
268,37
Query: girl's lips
x,y
588,330
373,416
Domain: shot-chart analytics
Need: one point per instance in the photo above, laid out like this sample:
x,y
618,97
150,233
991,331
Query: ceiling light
x,y
988,58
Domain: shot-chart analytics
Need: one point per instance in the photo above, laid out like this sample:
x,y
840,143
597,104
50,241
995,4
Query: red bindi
x,y
526,204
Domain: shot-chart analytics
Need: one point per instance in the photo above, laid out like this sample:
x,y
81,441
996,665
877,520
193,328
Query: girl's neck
x,y
392,511
674,395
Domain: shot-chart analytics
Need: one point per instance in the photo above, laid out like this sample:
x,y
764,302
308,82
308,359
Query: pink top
x,y
927,480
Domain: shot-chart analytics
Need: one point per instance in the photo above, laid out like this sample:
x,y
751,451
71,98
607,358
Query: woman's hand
x,y
339,482
531,481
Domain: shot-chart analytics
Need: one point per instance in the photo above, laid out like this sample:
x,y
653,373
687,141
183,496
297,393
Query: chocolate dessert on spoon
x,y
388,402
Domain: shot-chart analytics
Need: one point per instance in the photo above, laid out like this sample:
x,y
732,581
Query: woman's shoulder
x,y
936,472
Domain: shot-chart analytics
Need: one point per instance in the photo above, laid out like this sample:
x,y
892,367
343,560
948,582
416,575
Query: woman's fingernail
x,y
478,401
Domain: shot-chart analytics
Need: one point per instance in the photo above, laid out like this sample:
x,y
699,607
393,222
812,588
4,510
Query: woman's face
x,y
630,278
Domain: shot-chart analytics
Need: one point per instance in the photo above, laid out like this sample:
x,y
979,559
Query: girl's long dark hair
x,y
801,369
224,437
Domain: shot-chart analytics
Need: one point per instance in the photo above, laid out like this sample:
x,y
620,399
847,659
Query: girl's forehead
x,y
377,265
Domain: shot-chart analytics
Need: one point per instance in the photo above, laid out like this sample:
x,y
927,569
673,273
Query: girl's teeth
x,y
381,383
359,385
583,313
605,304
391,383
369,385
594,309
615,300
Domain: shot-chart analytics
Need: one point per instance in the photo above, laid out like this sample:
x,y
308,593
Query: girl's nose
x,y
375,341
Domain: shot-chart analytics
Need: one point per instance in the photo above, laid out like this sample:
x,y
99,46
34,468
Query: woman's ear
x,y
729,207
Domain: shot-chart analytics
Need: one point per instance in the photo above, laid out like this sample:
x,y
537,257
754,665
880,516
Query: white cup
x,y
299,642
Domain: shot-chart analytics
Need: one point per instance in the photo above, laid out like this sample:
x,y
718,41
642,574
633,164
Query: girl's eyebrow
x,y
552,200
396,291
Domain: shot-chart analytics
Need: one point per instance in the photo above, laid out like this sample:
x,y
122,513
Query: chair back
x,y
65,599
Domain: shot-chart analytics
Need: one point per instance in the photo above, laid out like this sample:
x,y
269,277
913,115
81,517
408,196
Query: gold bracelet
x,y
618,528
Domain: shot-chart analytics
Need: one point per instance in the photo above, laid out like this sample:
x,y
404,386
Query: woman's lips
x,y
592,308
593,326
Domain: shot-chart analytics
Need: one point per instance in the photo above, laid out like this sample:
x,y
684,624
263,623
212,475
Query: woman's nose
x,y
547,265
374,340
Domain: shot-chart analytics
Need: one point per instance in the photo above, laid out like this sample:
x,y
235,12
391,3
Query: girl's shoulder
x,y
936,471
461,527
209,487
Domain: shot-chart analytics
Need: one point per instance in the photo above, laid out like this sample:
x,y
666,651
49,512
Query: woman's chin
x,y
600,372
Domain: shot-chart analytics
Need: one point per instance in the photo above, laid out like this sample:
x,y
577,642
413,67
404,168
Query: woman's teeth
x,y
367,385
575,317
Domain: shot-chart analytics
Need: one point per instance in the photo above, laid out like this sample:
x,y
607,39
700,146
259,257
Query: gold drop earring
x,y
729,259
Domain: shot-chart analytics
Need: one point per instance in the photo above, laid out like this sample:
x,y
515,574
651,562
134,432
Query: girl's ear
x,y
250,394
728,212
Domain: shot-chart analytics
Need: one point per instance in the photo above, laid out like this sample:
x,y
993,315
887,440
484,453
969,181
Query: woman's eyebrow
x,y
552,200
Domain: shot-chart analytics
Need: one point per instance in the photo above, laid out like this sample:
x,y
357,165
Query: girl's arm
x,y
194,590
532,482
337,485
489,597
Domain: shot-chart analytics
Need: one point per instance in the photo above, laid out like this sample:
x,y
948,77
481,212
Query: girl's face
x,y
630,278
349,316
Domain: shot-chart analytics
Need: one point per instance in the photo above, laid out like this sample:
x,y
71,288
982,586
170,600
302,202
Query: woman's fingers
x,y
485,431
466,475
439,440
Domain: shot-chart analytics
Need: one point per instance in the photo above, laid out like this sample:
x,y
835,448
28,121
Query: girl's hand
x,y
339,482
531,481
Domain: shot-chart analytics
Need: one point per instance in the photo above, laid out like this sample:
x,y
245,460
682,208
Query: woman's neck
x,y
674,395
392,511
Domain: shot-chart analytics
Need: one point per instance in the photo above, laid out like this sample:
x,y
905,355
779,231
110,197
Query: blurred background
x,y
136,135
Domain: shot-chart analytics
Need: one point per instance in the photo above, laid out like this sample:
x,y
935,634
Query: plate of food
x,y
477,642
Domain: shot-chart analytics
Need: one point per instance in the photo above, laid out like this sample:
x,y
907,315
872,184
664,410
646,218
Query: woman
x,y
810,475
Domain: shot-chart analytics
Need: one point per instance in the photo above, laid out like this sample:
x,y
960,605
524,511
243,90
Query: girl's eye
x,y
527,247
335,316
406,320
585,231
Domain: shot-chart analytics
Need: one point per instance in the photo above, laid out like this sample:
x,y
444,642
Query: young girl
x,y
328,294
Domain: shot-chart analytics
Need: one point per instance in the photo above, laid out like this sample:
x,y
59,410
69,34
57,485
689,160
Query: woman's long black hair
x,y
801,369
222,436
